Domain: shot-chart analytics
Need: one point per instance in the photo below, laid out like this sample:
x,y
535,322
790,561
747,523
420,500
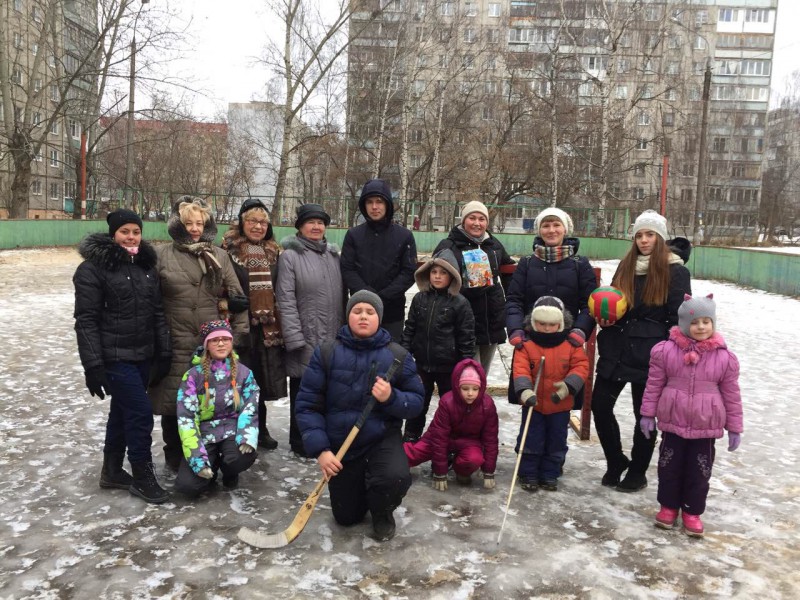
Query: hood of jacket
x,y
377,187
101,250
456,376
682,247
445,259
177,230
691,348
568,241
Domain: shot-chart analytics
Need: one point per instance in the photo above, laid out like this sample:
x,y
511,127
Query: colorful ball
x,y
607,303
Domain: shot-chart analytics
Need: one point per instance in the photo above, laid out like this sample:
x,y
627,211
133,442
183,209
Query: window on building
x,y
701,17
523,8
74,129
638,169
639,193
493,36
36,187
447,9
641,144
444,35
54,93
491,63
647,92
18,5
668,119
469,35
687,196
717,194
652,13
422,6
37,85
643,118
541,87
70,189
54,127
673,68
55,190
700,43
625,40
16,75
756,67
17,40
54,158
416,161
490,88
470,8
623,65
36,14
38,157
719,144
494,9
728,15
487,114
595,63
36,118
34,49
673,42
671,95
468,62
757,15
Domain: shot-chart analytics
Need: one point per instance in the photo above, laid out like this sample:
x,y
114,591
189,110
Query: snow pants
x,y
224,456
545,449
604,397
443,381
684,472
467,454
376,481
130,414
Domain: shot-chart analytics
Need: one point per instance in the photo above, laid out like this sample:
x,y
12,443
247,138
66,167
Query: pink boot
x,y
692,525
666,517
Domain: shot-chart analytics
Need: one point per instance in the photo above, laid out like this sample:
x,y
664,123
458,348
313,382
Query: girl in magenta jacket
x,y
693,391
463,431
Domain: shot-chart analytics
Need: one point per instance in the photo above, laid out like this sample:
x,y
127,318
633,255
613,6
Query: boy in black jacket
x,y
439,331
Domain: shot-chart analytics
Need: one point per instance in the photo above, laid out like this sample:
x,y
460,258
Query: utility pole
x,y
700,196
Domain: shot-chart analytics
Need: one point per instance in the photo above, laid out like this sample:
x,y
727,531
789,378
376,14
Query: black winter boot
x,y
145,485
383,525
612,476
266,441
113,475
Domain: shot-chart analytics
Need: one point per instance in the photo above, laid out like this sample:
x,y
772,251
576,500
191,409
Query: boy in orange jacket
x,y
565,369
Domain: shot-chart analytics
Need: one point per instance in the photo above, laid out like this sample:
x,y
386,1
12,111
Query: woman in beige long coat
x,y
195,277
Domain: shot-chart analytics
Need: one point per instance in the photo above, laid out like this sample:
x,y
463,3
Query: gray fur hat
x,y
369,298
695,308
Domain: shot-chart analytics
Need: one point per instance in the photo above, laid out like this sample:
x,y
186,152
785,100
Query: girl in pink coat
x,y
693,392
463,431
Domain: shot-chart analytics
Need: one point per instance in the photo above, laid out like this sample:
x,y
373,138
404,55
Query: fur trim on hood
x,y
294,242
177,230
445,259
101,250
692,349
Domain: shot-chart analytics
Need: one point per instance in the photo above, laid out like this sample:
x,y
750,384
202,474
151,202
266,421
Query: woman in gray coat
x,y
310,297
195,276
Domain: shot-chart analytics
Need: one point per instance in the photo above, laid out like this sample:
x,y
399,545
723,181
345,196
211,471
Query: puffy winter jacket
x,y
624,347
457,424
118,309
488,303
693,387
380,256
570,280
440,329
331,400
310,298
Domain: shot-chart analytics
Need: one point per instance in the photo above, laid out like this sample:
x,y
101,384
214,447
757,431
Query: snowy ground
x,y
64,537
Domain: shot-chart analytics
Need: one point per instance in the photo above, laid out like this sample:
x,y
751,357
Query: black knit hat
x,y
310,211
120,217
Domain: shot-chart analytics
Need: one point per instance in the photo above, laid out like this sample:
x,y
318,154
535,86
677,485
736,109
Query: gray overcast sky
x,y
227,39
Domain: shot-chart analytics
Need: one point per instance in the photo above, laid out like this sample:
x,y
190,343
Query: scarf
x,y
553,254
203,249
258,259
319,247
474,240
643,262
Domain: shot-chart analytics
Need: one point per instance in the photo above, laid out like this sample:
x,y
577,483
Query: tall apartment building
x,y
520,102
44,42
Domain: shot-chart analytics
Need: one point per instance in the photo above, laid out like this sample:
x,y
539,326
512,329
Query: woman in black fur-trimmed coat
x,y
121,329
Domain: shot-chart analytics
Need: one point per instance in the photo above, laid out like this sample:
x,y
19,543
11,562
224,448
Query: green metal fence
x,y
769,271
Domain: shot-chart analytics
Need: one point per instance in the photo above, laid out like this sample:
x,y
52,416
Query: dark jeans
x,y
684,472
295,437
395,330
416,425
268,366
545,448
377,481
604,397
224,456
130,414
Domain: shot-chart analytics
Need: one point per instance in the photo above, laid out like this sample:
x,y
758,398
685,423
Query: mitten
x,y
647,425
517,338
245,448
96,382
440,482
734,439
205,473
159,371
237,303
528,398
576,337
560,391
488,481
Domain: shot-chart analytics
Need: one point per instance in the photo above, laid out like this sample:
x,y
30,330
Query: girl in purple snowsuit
x,y
693,391
463,431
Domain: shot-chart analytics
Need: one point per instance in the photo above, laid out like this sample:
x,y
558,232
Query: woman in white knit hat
x,y
479,257
654,280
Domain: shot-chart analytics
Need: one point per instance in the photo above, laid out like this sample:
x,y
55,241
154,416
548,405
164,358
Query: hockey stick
x,y
284,538
521,447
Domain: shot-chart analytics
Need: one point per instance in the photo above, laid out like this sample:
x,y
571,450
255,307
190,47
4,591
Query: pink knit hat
x,y
469,376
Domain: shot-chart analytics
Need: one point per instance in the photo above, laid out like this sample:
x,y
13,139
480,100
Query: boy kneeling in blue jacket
x,y
374,474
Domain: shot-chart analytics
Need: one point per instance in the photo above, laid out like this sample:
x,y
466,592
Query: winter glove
x,y
488,481
528,398
734,439
517,338
96,382
576,337
560,391
237,303
245,448
159,371
440,482
647,425
205,473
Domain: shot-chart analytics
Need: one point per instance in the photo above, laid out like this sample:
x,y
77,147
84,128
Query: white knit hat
x,y
556,213
474,206
653,221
